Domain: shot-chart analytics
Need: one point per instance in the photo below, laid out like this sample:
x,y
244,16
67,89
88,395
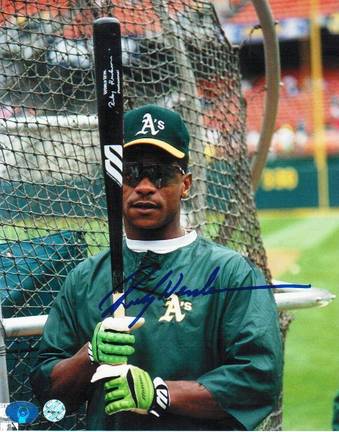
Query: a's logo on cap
x,y
151,125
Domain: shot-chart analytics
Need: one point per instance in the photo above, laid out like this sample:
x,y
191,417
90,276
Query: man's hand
x,y
109,346
132,389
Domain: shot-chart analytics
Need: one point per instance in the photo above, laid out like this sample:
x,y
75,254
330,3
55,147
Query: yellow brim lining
x,y
162,144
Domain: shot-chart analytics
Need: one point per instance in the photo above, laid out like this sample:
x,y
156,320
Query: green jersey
x,y
199,325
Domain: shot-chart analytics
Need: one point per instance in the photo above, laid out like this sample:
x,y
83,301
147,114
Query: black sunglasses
x,y
159,174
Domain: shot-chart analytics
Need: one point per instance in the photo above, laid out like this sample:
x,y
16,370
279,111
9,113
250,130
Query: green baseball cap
x,y
161,127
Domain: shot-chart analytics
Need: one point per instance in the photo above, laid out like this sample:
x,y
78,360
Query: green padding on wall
x,y
32,271
80,197
333,181
288,183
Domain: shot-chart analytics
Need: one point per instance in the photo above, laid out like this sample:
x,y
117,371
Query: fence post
x,y
4,391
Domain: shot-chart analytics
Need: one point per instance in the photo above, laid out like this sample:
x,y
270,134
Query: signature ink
x,y
135,283
114,81
169,287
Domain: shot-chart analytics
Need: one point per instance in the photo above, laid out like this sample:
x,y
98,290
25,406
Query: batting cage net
x,y
52,203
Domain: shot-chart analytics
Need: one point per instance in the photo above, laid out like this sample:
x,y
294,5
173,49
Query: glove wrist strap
x,y
90,353
161,400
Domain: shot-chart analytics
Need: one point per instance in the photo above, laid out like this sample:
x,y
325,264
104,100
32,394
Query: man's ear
x,y
186,185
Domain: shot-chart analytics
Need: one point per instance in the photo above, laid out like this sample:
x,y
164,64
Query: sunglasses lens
x,y
131,174
159,174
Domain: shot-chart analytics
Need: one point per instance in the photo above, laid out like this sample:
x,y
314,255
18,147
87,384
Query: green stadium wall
x,y
293,183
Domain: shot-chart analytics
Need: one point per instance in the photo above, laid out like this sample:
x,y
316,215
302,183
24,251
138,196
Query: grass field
x,y
304,248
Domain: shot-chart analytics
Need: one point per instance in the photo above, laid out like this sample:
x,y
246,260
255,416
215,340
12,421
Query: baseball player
x,y
208,356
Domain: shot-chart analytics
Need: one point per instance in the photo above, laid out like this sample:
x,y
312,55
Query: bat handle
x,y
120,311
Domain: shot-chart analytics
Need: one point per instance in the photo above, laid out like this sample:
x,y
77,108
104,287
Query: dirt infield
x,y
282,260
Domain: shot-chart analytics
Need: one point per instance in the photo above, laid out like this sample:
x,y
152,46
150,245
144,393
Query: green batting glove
x,y
109,346
132,389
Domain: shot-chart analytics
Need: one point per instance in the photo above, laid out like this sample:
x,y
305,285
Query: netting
x,y
52,206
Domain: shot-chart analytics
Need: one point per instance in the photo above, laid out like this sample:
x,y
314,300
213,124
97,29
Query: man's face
x,y
150,211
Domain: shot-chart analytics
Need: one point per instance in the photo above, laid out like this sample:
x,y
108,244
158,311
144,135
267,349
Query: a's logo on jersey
x,y
174,308
151,125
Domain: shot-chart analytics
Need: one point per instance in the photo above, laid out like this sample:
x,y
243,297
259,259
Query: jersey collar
x,y
161,246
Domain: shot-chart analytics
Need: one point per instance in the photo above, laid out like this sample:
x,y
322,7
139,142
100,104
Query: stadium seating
x,y
284,9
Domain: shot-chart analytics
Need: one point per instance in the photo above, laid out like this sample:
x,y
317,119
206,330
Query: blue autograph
x,y
132,282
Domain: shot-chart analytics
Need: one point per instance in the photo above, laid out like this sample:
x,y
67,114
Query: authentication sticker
x,y
22,412
54,410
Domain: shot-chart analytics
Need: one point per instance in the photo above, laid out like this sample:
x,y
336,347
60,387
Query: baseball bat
x,y
108,77
109,91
